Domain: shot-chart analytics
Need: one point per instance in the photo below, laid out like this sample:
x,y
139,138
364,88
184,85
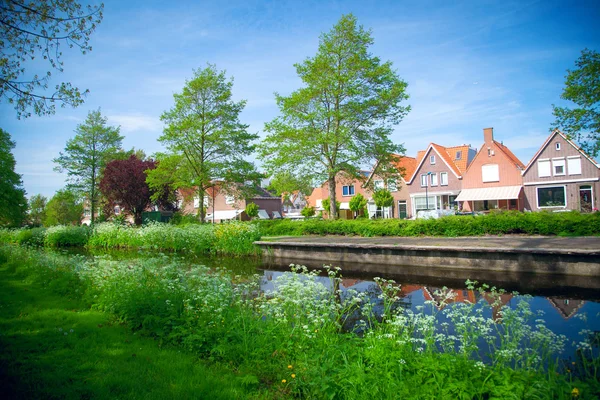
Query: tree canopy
x,y
37,209
64,208
343,116
582,87
85,156
205,138
13,204
34,33
358,203
124,183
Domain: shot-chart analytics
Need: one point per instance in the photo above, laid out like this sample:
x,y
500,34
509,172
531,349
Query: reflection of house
x,y
437,178
448,296
560,176
497,301
222,206
566,307
493,179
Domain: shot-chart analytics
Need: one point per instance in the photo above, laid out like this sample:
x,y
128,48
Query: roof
x,y
510,155
463,163
554,133
444,154
409,164
492,193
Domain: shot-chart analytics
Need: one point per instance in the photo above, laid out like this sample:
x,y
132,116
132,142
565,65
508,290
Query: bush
x,y
32,237
66,236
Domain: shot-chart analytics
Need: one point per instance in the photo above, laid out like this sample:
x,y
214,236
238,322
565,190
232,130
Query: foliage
x,y
37,209
326,204
307,339
124,183
308,212
180,218
286,183
343,116
206,140
86,155
31,30
13,204
252,210
511,222
66,236
64,208
383,198
582,87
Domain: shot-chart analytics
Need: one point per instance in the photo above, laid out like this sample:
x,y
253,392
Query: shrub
x,y
32,237
66,236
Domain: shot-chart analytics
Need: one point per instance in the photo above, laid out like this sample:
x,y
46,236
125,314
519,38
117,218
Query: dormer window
x,y
459,155
557,146
432,160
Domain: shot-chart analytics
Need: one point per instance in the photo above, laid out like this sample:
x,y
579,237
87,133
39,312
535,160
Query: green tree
x,y
37,209
308,212
343,116
13,204
286,183
64,208
94,145
205,138
358,203
326,204
582,87
252,210
383,198
40,29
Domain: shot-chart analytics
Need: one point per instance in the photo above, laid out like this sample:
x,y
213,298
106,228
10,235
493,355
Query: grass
x,y
159,328
54,346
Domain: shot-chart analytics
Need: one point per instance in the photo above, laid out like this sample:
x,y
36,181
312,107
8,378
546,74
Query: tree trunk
x,y
137,217
201,210
333,214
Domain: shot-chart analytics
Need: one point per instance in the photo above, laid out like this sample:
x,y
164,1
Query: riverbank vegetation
x,y
497,223
303,340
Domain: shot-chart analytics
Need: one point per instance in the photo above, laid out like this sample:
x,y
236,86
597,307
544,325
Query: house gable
x,y
442,154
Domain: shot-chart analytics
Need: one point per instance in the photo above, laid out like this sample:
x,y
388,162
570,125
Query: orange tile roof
x,y
510,155
444,154
462,164
407,165
420,155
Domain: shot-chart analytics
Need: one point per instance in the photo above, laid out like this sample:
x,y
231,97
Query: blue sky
x,y
469,65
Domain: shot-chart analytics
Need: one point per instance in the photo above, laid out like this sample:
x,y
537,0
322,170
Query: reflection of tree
x,y
566,307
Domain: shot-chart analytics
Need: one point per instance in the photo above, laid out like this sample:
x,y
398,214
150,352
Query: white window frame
x,y
196,202
424,178
378,184
494,173
559,162
434,179
557,146
443,182
545,161
229,199
571,165
458,155
537,196
392,185
432,159
348,191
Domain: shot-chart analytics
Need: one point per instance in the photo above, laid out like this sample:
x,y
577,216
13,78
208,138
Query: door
x,y
585,198
402,213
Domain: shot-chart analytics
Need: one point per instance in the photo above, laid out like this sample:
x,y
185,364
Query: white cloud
x,y
136,122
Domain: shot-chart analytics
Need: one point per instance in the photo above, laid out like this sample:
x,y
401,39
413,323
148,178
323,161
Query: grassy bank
x,y
302,341
234,239
496,223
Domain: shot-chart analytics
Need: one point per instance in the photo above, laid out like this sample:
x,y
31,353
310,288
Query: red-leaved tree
x,y
124,183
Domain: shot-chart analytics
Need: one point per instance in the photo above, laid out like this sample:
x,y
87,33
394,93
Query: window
x,y
421,203
423,180
117,210
87,212
543,168
490,173
444,179
434,180
551,197
392,186
557,146
459,155
229,200
432,160
378,184
574,165
558,166
196,202
348,190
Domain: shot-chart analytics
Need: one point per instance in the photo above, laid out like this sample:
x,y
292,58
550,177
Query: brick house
x,y
493,179
346,187
561,176
437,177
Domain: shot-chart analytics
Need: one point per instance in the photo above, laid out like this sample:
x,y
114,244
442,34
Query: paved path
x,y
567,244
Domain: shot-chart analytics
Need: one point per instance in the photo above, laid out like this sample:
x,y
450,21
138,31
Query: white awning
x,y
262,214
345,205
276,214
492,193
223,215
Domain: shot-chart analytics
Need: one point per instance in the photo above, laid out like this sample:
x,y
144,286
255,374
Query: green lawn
x,y
53,346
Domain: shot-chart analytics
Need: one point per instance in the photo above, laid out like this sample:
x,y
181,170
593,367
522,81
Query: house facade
x,y
561,176
493,179
401,208
346,187
437,178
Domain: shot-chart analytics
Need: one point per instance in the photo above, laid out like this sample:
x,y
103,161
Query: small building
x,y
437,178
493,179
561,176
402,207
346,187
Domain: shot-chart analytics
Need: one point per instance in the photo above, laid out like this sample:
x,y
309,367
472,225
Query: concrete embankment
x,y
576,256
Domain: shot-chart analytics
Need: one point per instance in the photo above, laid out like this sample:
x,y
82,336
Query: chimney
x,y
488,135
